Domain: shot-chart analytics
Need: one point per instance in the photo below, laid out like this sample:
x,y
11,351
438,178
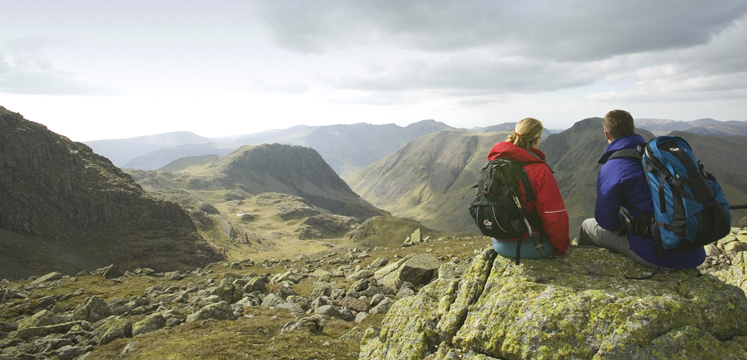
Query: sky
x,y
93,70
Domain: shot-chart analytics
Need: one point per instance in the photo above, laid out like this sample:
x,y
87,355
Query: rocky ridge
x,y
579,305
65,208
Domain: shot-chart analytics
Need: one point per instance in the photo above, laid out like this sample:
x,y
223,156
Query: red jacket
x,y
549,203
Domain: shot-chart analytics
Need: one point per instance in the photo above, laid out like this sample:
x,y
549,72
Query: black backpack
x,y
497,209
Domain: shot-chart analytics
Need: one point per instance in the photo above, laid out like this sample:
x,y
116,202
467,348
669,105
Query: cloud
x,y
579,30
476,73
25,69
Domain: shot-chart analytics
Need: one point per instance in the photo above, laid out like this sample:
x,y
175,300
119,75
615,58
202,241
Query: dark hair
x,y
618,123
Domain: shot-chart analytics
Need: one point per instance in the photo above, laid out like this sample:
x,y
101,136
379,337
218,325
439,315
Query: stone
x,y
48,277
111,272
417,269
376,299
150,323
69,352
300,300
320,289
272,300
360,317
314,324
219,311
295,309
354,304
92,310
334,311
41,331
41,318
114,329
255,284
405,292
379,262
285,290
128,349
227,291
382,307
735,246
576,306
360,274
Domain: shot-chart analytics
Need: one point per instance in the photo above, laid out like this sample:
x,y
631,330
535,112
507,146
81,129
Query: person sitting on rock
x,y
622,182
521,146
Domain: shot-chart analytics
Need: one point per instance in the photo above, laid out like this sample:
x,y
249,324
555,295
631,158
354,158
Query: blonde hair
x,y
527,131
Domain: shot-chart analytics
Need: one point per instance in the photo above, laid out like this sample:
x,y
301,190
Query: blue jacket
x,y
624,178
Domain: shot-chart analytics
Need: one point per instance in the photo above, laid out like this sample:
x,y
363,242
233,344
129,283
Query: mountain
x,y
65,208
430,178
120,151
573,155
729,128
347,148
509,126
705,126
252,170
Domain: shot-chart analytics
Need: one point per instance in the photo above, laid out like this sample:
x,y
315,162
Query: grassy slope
x,y
430,178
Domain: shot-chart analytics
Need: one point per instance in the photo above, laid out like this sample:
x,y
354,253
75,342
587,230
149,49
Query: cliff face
x,y
55,192
576,306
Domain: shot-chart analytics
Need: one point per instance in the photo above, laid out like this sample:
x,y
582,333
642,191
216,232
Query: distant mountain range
x,y
347,148
253,170
429,179
65,208
705,126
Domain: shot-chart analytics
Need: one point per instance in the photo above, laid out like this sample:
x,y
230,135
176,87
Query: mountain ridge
x,y
294,170
346,147
59,193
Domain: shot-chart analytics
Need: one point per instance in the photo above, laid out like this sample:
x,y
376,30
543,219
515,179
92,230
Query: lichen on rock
x,y
576,306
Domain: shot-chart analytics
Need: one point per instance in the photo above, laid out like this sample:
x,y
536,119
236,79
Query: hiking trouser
x,y
508,248
595,235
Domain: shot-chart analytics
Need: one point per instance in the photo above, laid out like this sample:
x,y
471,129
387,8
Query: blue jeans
x,y
508,248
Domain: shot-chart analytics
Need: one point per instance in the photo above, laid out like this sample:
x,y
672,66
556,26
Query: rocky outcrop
x,y
65,208
576,306
727,259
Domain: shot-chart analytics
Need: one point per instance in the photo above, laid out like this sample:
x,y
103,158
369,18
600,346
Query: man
x,y
622,183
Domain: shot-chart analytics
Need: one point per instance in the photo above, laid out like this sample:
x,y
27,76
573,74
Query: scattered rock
x,y
314,324
92,310
334,311
114,329
219,311
150,323
48,277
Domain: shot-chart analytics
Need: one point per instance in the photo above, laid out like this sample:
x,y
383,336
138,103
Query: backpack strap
x,y
626,153
529,195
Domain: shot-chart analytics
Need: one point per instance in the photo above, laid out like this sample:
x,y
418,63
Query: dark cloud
x,y
578,30
471,74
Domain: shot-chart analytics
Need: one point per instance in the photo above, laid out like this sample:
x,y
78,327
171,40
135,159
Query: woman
x,y
521,146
